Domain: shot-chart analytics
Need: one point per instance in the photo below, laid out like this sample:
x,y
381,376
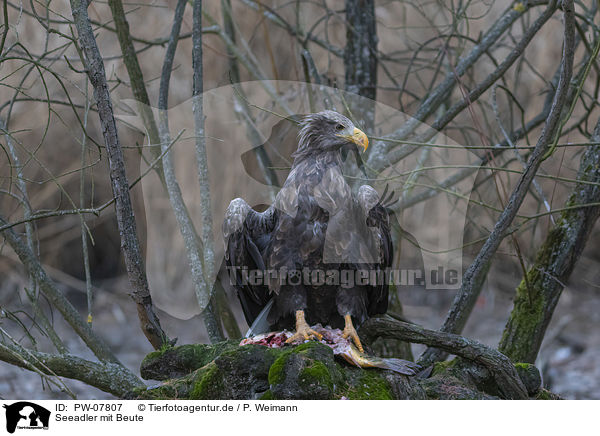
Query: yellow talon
x,y
350,332
303,330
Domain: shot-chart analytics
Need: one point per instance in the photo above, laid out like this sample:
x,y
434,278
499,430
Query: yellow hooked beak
x,y
359,138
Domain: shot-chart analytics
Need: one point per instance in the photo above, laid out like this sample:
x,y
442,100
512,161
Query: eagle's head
x,y
328,131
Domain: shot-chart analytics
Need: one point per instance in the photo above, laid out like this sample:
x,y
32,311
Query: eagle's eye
x,y
339,127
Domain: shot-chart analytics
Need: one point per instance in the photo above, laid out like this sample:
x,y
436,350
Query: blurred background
x,y
46,104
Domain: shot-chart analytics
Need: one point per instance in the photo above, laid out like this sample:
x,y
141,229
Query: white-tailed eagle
x,y
320,252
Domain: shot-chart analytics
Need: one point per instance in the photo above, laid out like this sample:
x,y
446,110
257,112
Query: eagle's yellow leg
x,y
350,332
303,330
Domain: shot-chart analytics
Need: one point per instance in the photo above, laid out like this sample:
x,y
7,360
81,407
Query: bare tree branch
x,y
498,364
475,275
124,211
193,246
438,95
106,376
443,120
136,77
210,313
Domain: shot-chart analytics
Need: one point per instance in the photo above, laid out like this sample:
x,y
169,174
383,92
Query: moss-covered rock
x,y
306,371
174,362
368,385
457,379
452,388
233,373
240,373
207,383
452,377
228,371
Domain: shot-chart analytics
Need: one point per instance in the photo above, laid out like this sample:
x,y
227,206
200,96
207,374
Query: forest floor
x,y
568,359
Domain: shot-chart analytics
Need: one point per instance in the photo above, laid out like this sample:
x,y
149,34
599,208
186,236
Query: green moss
x,y
307,371
317,370
276,371
170,390
545,394
171,362
307,347
449,387
267,396
207,383
536,300
527,316
369,386
178,388
442,367
257,358
530,376
317,373
199,355
156,354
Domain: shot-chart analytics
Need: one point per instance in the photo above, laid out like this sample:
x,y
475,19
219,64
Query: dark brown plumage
x,y
316,224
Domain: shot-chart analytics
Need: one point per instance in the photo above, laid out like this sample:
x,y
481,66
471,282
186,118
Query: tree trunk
x,y
360,58
535,304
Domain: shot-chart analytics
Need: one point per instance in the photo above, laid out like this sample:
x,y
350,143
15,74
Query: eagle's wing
x,y
247,233
378,219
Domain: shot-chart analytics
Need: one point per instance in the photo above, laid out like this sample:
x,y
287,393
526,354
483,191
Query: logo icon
x,y
26,415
